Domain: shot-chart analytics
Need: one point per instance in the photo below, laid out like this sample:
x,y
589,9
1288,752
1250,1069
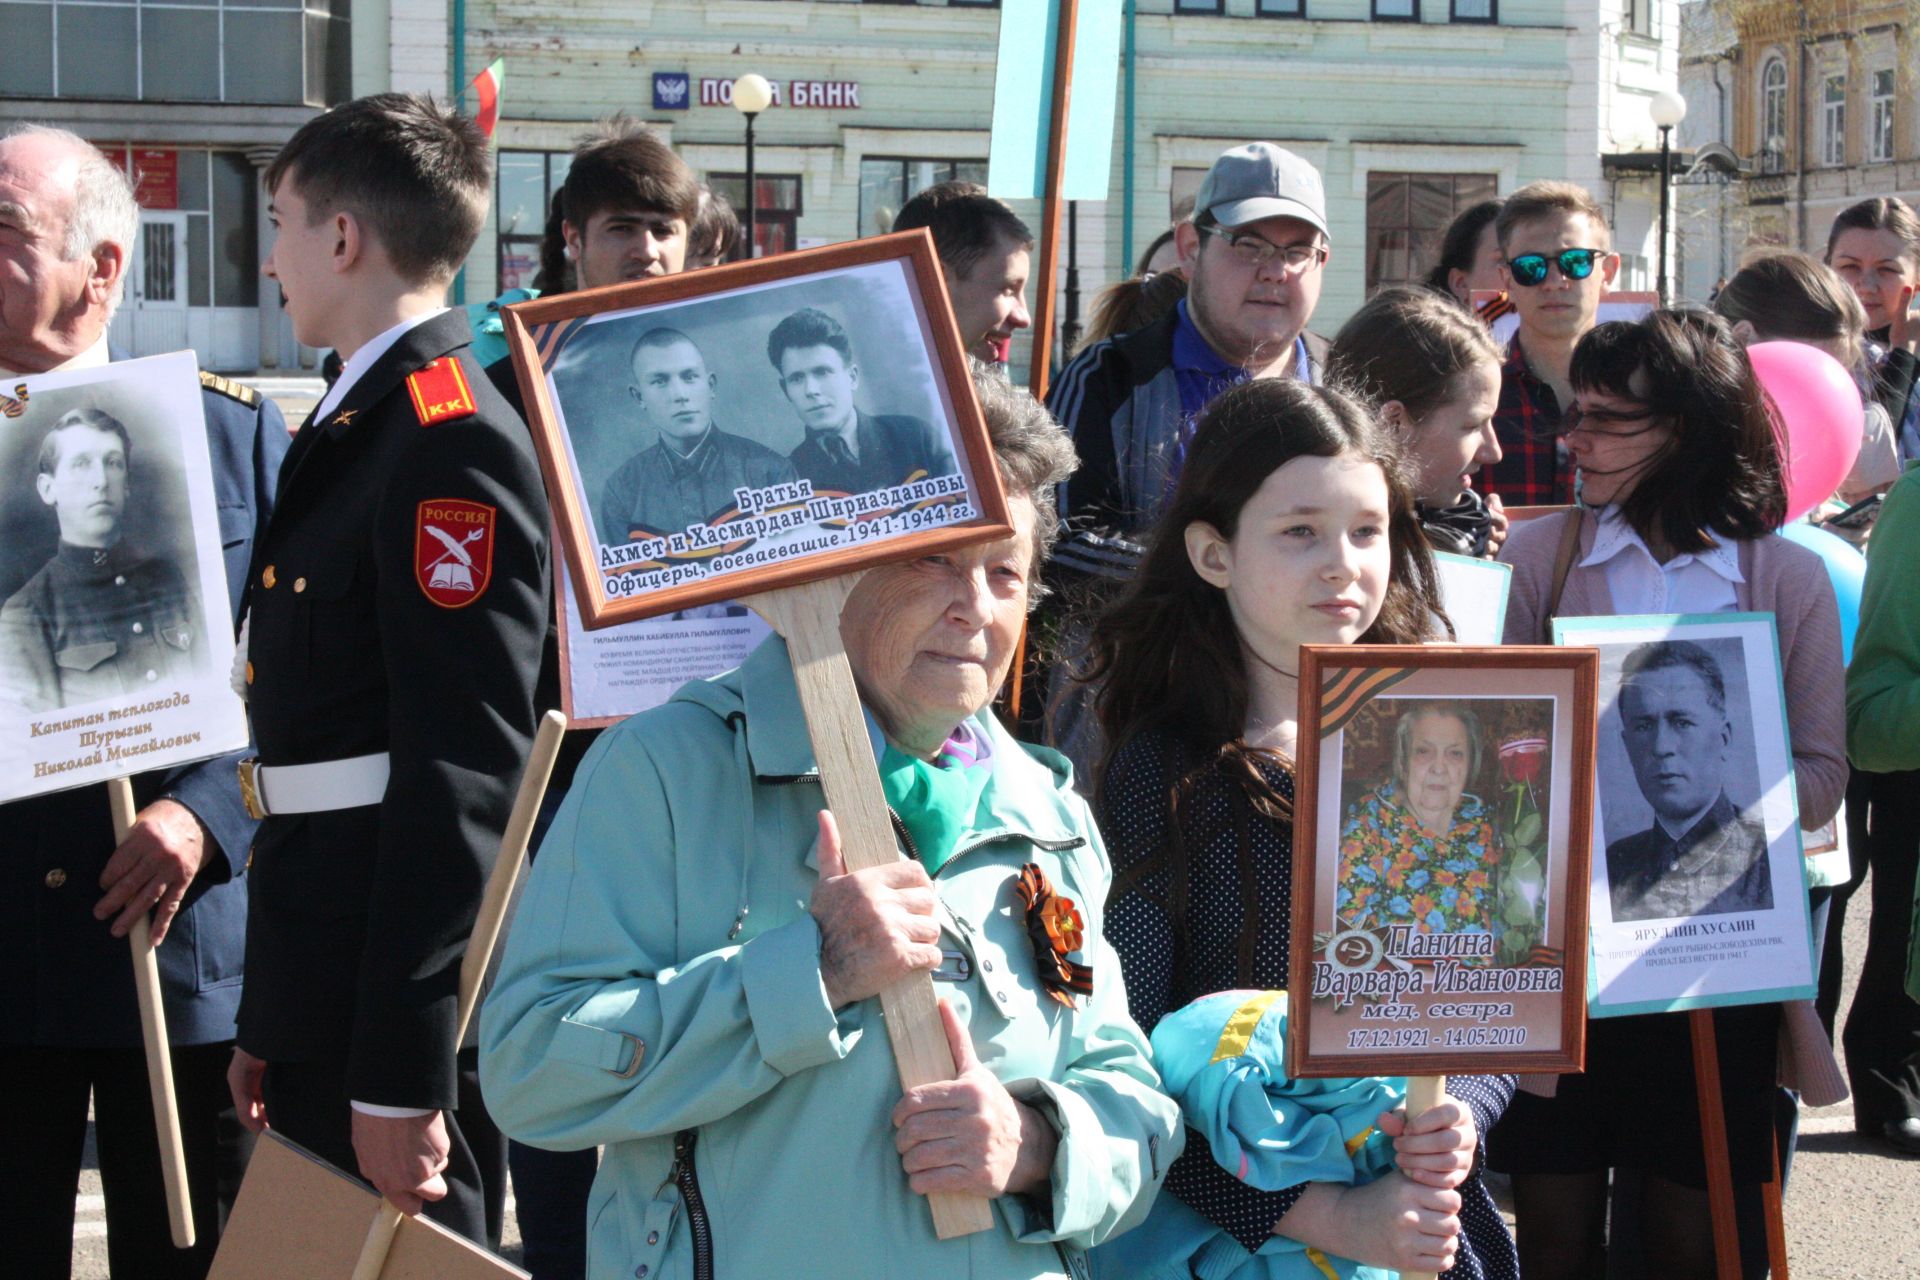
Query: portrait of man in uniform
x,y
688,475
1702,855
846,449
102,617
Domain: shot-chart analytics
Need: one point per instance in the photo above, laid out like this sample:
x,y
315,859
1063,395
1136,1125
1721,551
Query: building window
x,y
776,215
1281,8
887,182
1408,213
1833,120
1773,116
1396,10
264,51
1640,17
524,183
1475,11
1197,6
1880,135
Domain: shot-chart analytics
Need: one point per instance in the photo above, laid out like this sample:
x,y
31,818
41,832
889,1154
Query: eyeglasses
x,y
1258,251
1605,422
1530,269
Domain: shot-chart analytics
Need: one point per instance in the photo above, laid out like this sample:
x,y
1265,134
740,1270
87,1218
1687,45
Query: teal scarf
x,y
936,800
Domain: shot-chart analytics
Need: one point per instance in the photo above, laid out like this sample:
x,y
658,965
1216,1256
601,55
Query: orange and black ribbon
x,y
1056,930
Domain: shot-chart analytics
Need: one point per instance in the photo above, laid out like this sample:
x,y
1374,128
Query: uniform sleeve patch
x,y
453,550
440,392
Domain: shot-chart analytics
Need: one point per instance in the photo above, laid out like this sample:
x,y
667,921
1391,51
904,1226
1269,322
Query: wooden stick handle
x,y
1424,1093
153,1033
1713,1129
809,617
480,944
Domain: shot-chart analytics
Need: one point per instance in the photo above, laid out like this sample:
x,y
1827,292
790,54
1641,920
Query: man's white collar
x,y
92,358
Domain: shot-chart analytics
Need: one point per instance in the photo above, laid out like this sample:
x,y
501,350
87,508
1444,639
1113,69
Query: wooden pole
x,y
1424,1093
809,617
1713,1130
1770,1196
1050,210
153,1032
486,933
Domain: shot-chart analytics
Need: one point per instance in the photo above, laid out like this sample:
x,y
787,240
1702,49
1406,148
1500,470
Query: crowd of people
x,y
683,1058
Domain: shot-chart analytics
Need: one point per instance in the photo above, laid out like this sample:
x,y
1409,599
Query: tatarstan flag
x,y
487,86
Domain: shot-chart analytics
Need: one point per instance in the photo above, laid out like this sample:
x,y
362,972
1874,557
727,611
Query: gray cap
x,y
1261,180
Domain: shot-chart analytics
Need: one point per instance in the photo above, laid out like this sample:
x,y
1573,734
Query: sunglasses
x,y
1606,422
1530,269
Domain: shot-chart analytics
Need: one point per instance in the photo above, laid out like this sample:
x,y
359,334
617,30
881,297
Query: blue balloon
x,y
1845,566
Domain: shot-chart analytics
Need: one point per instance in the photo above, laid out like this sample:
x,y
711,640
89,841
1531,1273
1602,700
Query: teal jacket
x,y
661,996
1223,1058
489,329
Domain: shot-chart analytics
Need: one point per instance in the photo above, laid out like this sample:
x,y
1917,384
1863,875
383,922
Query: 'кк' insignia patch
x,y
440,392
453,550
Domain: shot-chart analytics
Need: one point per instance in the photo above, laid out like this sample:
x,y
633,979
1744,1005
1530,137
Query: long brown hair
x,y
1167,655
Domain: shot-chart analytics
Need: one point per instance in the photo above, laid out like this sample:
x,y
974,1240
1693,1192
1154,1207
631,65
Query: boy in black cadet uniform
x,y
398,603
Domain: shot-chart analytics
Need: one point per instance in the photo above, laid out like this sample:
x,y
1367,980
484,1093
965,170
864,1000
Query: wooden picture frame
x,y
1475,936
885,297
1695,932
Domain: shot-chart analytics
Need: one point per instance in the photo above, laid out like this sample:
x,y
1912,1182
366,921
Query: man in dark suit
x,y
846,450
398,602
69,1023
101,618
1701,857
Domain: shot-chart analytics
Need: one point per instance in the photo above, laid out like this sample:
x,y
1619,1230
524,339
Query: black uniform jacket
x,y
69,983
398,604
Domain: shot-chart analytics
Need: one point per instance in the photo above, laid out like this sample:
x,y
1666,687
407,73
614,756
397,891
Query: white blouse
x,y
1693,582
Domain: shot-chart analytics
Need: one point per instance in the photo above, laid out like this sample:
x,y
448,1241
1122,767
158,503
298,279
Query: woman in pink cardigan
x,y
1680,486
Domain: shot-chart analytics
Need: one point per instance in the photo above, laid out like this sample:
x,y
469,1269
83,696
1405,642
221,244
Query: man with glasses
x,y
1557,262
1252,252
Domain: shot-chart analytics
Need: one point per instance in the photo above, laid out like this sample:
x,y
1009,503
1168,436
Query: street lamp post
x,y
751,95
1668,109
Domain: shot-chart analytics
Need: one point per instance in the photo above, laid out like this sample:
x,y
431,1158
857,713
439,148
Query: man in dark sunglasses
x,y
1557,263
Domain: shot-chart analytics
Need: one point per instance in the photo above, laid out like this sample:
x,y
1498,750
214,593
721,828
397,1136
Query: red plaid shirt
x,y
1534,469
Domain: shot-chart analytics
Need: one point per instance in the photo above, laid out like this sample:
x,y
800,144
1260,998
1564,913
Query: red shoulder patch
x,y
453,550
440,392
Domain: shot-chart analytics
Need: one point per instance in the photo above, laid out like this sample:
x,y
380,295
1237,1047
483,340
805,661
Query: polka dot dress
x,y
1233,932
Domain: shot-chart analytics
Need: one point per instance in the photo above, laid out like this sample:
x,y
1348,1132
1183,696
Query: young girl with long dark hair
x,y
1292,524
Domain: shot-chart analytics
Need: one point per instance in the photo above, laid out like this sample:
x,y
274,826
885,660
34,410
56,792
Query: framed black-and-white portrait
x,y
115,645
1699,883
720,433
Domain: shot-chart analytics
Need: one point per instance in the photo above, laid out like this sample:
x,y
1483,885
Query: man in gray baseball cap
x,y
1252,252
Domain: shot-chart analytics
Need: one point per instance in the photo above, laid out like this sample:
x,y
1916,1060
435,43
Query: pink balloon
x,y
1817,414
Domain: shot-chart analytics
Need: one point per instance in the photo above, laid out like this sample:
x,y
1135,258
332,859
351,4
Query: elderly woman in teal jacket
x,y
692,978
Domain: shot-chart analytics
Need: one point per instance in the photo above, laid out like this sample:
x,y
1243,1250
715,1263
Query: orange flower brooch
x,y
1056,930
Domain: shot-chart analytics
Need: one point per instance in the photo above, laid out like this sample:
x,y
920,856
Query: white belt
x,y
313,788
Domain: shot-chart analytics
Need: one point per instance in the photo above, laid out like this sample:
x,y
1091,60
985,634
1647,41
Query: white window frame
x,y
1881,114
1833,119
1772,148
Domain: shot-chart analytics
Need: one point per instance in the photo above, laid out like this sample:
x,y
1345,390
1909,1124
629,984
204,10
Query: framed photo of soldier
x,y
1699,881
713,435
115,647
1442,813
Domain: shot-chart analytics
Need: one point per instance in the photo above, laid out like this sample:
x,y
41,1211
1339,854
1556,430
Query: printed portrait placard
x,y
1699,881
721,433
115,645
1441,826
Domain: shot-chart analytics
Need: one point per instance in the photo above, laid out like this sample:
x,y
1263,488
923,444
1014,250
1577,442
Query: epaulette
x,y
240,391
440,392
